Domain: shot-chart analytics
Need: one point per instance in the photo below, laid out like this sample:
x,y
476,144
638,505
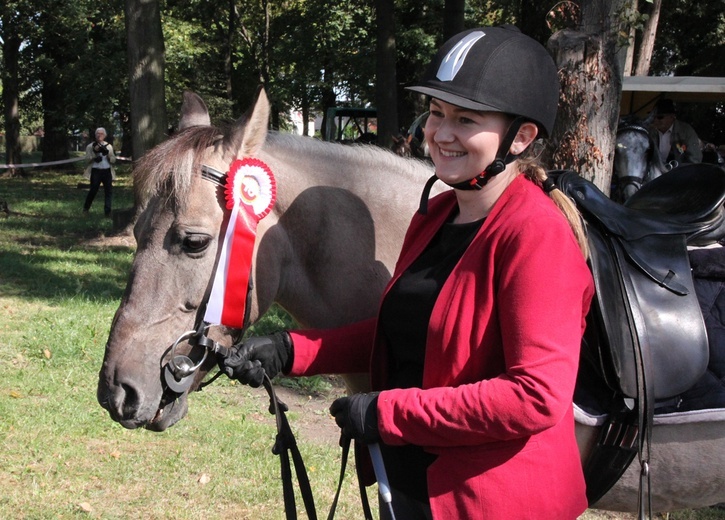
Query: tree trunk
x,y
55,138
306,117
10,97
386,89
584,135
146,62
229,50
644,55
453,17
628,65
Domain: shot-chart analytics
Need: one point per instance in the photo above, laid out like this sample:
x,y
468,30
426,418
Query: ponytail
x,y
533,170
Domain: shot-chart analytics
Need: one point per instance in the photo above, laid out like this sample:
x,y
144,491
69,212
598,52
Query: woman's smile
x,y
462,142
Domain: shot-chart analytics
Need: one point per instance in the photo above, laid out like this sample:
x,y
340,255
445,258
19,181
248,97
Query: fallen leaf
x,y
115,454
15,394
85,507
204,479
47,354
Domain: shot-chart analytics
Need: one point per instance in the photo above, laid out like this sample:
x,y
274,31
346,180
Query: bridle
x,y
180,371
179,374
632,180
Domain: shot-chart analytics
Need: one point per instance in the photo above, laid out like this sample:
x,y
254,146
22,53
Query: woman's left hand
x,y
357,415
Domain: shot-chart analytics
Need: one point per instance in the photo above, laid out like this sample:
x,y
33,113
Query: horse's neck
x,y
377,176
341,213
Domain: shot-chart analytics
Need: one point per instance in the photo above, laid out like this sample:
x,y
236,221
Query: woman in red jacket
x,y
474,353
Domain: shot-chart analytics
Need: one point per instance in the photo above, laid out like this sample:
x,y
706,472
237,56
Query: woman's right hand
x,y
256,356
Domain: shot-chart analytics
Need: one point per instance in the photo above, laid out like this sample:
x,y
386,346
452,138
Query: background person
x,y
675,139
99,170
474,354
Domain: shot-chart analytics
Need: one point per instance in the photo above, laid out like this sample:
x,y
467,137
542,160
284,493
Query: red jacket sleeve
x,y
344,350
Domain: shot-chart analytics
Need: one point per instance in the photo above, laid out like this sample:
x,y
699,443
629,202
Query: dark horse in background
x,y
324,253
636,158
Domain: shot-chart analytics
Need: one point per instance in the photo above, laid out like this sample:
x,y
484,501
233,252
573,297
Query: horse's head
x,y
636,160
177,235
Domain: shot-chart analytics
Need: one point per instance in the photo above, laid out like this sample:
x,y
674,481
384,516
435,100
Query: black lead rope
x,y
367,512
284,446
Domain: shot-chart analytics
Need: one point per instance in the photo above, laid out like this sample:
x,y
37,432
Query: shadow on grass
x,y
43,241
51,274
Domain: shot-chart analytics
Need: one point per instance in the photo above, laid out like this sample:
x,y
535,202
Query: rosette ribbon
x,y
250,194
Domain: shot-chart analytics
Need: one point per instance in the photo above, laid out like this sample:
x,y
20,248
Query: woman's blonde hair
x,y
534,171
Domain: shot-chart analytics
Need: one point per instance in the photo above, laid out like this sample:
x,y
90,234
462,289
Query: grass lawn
x,y
61,456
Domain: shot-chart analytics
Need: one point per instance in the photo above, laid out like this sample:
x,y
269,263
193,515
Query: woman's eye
x,y
196,243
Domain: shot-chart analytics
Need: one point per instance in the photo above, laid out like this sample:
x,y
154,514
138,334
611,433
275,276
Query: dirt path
x,y
312,421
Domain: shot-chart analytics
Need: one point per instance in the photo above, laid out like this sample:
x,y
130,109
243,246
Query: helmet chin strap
x,y
503,157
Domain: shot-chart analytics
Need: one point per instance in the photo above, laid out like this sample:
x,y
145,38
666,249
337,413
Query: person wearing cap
x,y
675,139
99,170
473,356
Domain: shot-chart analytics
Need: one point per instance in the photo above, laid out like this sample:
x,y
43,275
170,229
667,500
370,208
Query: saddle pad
x,y
587,418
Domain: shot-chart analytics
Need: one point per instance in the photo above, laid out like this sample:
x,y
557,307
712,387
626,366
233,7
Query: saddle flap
x,y
645,305
634,312
652,256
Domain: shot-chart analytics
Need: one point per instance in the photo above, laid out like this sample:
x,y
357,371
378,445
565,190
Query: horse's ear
x,y
250,131
193,111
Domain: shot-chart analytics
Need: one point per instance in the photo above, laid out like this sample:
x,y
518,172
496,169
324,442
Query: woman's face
x,y
462,142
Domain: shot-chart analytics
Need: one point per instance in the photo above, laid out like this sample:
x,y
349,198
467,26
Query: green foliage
x,y
309,53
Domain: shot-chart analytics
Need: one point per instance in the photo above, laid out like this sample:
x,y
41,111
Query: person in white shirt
x,y
99,170
675,139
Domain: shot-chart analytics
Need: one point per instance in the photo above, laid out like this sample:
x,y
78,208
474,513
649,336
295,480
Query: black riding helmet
x,y
497,69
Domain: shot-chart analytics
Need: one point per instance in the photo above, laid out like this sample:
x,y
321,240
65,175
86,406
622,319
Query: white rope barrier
x,y
55,163
35,165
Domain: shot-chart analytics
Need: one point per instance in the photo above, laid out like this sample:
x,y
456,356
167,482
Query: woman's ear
x,y
524,137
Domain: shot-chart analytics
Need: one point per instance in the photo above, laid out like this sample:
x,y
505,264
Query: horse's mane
x,y
367,159
168,169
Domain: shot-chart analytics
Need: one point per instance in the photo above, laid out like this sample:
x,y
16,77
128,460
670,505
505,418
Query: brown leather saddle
x,y
645,333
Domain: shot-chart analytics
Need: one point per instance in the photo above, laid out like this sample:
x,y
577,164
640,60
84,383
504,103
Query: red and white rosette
x,y
250,193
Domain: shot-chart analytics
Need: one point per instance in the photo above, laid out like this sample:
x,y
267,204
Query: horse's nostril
x,y
129,401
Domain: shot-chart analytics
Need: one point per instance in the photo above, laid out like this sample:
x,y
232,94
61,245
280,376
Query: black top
x,y
404,318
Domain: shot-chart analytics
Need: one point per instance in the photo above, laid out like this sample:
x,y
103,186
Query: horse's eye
x,y
196,243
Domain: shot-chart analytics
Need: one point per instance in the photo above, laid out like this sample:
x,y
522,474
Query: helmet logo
x,y
455,58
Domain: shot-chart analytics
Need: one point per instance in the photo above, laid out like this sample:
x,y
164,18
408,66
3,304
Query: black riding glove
x,y
256,356
357,415
98,158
